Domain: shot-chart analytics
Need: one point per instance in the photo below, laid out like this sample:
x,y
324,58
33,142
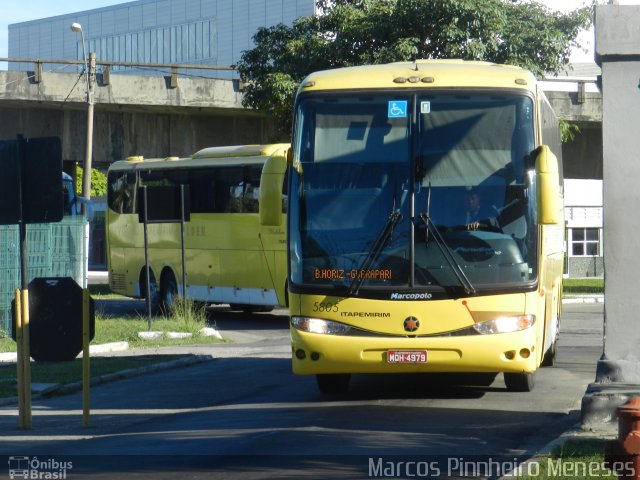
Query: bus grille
x,y
117,281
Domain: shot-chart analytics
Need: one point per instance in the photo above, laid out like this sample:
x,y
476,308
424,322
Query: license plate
x,y
406,356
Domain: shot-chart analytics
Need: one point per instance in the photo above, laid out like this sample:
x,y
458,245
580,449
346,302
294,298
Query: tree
x,y
357,32
98,182
568,131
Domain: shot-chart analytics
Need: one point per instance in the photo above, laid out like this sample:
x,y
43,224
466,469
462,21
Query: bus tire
x,y
333,383
153,290
520,382
168,292
549,358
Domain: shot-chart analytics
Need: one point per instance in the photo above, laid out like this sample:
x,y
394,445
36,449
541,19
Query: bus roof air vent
x,y
137,158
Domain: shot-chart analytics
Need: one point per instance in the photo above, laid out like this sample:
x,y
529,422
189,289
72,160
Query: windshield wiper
x,y
448,254
381,240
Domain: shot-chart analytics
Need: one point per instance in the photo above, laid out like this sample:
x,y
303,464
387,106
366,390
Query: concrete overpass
x,y
134,115
578,100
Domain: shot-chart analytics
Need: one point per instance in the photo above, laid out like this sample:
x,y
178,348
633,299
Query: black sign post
x,y
163,204
56,310
32,193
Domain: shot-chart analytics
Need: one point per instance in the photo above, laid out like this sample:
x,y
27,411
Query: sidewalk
x,y
584,298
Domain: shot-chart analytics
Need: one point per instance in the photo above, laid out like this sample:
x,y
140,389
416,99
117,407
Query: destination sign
x,y
341,274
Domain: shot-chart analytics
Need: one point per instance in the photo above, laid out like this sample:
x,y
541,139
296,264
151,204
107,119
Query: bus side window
x,y
202,182
229,188
252,189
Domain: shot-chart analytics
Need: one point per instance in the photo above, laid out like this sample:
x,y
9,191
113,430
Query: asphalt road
x,y
244,415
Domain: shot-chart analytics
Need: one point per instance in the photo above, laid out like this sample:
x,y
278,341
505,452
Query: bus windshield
x,y
431,193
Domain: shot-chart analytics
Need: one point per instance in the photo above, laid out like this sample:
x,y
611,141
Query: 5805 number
x,y
325,307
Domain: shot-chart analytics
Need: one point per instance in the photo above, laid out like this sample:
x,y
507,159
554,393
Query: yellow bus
x,y
235,245
426,229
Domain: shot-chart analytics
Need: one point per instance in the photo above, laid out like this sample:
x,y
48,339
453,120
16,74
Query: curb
x,y
584,299
64,389
11,357
573,432
109,347
132,372
8,357
544,451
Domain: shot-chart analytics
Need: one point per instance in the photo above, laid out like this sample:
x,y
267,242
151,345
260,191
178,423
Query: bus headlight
x,y
317,325
505,324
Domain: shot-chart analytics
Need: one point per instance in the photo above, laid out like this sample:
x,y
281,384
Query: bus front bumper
x,y
314,353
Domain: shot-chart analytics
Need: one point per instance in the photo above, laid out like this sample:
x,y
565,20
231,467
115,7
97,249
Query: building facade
x,y
208,32
583,216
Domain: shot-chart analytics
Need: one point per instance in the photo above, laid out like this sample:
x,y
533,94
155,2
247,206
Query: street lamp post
x,y
89,67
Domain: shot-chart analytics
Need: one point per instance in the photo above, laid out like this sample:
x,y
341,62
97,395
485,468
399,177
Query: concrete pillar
x,y
618,371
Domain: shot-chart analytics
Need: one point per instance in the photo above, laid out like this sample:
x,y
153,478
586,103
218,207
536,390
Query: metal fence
x,y
53,250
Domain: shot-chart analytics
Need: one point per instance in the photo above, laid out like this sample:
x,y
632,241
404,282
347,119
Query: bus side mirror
x,y
270,198
548,187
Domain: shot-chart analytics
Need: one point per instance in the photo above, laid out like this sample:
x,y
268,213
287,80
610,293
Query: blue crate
x,y
53,250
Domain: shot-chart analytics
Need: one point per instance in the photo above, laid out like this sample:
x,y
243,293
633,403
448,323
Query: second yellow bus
x,y
235,246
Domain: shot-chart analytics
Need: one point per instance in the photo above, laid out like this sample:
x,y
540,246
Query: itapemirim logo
x,y
38,469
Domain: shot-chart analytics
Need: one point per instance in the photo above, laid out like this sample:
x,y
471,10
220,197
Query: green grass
x,y
118,329
6,343
583,285
70,372
583,459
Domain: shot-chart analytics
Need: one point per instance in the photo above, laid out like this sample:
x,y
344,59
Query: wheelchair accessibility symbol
x,y
397,109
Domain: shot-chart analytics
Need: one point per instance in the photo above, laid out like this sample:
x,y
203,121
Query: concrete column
x,y
618,371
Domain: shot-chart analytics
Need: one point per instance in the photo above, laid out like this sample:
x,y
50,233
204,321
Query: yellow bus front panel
x,y
445,338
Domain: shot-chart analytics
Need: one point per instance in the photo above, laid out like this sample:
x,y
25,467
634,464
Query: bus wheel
x,y
334,383
549,359
520,382
168,293
153,290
